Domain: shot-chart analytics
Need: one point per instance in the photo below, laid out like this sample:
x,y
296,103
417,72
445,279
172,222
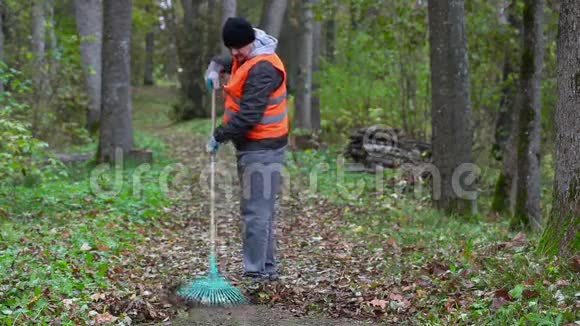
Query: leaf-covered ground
x,y
70,257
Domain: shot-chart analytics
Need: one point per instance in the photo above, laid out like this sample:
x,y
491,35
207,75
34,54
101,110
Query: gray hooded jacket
x,y
263,79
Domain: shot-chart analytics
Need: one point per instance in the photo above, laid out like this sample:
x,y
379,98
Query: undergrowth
x,y
459,270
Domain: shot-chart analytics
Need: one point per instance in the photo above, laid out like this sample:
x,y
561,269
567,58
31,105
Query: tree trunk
x,y
228,10
303,112
450,111
330,34
289,44
52,39
212,30
561,234
38,39
38,48
89,21
1,40
504,148
172,59
273,16
149,51
188,14
116,128
527,210
190,56
316,52
506,130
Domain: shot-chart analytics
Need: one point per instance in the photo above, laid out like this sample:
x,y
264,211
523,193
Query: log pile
x,y
387,147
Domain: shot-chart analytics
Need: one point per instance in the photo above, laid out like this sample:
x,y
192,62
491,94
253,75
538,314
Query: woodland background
x,y
490,83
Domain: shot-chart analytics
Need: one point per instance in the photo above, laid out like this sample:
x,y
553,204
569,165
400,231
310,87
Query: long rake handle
x,y
212,228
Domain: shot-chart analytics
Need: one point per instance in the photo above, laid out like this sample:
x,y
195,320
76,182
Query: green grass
x,y
63,242
467,248
60,241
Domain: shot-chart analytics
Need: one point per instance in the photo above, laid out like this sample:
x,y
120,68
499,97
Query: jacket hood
x,y
263,44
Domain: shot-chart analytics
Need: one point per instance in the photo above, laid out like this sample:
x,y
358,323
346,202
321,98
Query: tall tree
x,y
1,39
53,42
330,32
38,45
561,234
149,53
316,53
272,16
527,209
116,131
303,112
450,111
506,128
190,50
228,10
172,57
89,22
38,49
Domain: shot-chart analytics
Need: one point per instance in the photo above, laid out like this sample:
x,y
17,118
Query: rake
x,y
213,289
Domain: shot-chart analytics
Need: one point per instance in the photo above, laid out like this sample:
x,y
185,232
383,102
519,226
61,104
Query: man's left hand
x,y
212,145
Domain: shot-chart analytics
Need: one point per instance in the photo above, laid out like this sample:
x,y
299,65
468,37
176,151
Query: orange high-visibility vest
x,y
274,122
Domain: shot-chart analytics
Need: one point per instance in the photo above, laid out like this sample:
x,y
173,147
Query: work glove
x,y
212,76
212,80
212,145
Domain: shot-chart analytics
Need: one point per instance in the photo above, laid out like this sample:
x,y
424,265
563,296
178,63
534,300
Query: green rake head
x,y
212,290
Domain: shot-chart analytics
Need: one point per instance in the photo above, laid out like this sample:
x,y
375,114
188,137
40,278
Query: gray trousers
x,y
260,174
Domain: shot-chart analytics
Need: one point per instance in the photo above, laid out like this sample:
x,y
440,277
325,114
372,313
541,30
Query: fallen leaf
x,y
497,303
529,293
519,240
421,293
562,283
396,297
575,263
502,293
408,288
85,247
105,318
102,247
379,303
98,296
359,228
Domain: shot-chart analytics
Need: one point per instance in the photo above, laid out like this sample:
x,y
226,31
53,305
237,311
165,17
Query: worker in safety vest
x,y
255,120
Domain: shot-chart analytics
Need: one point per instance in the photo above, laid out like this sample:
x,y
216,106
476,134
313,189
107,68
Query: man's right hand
x,y
212,76
212,80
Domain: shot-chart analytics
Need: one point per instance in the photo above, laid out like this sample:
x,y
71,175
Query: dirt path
x,y
326,279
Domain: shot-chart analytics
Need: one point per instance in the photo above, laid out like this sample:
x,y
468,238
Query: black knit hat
x,y
237,33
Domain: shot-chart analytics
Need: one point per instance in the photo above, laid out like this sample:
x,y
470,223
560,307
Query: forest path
x,y
325,278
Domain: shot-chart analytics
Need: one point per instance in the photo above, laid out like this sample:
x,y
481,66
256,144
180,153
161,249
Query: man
x,y
256,121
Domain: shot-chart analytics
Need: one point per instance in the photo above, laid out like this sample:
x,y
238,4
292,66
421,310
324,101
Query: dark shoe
x,y
257,277
254,281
